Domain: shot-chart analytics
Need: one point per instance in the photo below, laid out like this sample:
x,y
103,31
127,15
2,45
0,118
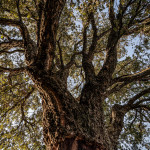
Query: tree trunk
x,y
77,144
69,124
70,130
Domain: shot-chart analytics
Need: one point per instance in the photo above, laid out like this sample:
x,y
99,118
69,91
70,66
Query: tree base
x,y
77,144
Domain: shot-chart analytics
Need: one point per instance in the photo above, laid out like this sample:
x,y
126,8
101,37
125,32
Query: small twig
x,y
18,103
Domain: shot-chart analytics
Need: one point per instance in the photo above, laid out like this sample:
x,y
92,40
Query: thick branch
x,y
116,32
118,112
116,123
84,40
133,77
87,58
95,38
132,105
127,79
86,62
111,58
112,13
132,100
60,54
50,12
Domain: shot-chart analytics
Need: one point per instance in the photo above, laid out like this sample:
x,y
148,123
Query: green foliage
x,y
20,118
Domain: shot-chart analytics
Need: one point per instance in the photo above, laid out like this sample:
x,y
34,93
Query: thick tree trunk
x,y
68,124
71,130
77,144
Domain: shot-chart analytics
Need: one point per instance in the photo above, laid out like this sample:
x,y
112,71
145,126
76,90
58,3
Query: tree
x,y
75,53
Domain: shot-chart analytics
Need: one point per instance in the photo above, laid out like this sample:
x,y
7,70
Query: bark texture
x,y
65,120
69,124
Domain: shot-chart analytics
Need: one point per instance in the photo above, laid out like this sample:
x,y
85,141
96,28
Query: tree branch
x,y
94,39
135,117
111,58
49,12
87,58
143,100
11,52
18,9
5,35
132,105
18,103
84,40
115,34
143,107
60,54
132,77
147,118
72,61
127,79
86,62
132,100
135,14
11,44
136,29
29,44
103,34
18,24
15,70
123,9
136,24
124,65
112,13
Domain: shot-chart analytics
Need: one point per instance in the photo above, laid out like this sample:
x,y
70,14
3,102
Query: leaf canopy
x,y
20,103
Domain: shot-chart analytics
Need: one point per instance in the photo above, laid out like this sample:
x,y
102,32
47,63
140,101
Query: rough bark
x,y
116,124
69,124
67,121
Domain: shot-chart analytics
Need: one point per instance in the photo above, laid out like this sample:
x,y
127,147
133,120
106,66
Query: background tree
x,y
76,70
